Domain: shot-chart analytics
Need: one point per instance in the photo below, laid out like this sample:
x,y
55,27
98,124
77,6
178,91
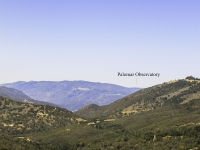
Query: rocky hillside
x,y
73,95
18,117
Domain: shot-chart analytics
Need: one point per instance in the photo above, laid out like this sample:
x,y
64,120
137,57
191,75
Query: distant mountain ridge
x,y
20,96
72,95
13,93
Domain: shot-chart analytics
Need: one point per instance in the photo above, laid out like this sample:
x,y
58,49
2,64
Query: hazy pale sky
x,y
93,40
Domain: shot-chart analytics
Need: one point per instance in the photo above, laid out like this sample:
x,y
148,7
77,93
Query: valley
x,y
164,116
72,95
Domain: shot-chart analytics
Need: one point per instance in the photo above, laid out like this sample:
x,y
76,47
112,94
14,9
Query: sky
x,y
93,40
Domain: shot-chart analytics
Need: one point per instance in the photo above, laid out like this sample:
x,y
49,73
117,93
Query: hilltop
x,y
173,92
19,117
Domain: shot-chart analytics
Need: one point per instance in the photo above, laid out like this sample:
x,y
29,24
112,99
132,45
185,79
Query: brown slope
x,y
18,117
172,92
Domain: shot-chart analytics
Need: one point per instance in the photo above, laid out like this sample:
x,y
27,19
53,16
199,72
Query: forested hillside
x,y
165,116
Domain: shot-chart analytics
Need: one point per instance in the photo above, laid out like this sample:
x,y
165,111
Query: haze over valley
x,y
72,95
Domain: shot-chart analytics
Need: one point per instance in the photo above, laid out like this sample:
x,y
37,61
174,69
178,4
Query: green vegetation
x,y
173,92
21,118
165,116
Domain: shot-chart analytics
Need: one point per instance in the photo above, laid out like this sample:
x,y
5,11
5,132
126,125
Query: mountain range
x,y
72,95
164,116
20,96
